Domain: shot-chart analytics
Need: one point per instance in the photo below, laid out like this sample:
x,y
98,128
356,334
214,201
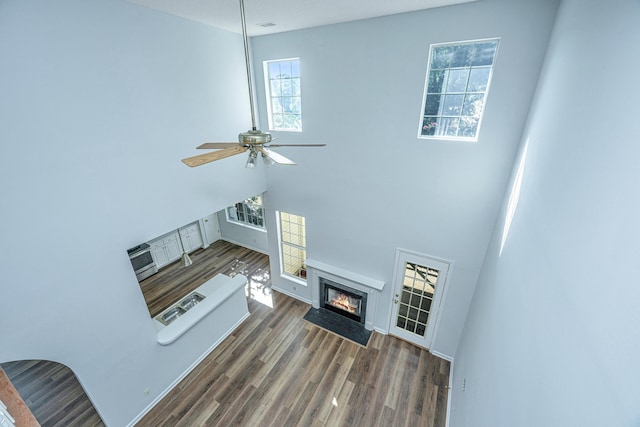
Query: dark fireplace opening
x,y
343,300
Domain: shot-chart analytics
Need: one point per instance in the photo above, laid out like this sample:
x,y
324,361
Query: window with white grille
x,y
456,88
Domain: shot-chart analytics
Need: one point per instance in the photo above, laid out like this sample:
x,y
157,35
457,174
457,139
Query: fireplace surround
x,y
363,285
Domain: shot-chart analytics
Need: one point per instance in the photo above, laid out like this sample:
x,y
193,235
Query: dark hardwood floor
x,y
275,369
174,281
278,370
52,393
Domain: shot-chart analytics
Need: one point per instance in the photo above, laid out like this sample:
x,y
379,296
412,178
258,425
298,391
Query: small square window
x,y
284,101
456,89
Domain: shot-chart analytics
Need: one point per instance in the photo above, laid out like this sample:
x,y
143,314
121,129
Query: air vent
x,y
267,24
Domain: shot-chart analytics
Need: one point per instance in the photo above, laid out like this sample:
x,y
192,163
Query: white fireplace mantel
x,y
317,269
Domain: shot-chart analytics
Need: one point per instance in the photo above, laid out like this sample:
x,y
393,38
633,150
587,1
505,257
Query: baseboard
x,y
380,330
450,393
282,291
185,373
244,245
442,356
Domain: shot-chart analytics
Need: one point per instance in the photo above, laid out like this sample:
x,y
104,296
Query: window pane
x,y
276,106
473,105
458,80
468,126
452,105
295,68
429,125
275,88
285,69
442,57
484,53
462,56
295,87
295,106
284,93
478,79
448,126
285,85
437,80
274,70
432,105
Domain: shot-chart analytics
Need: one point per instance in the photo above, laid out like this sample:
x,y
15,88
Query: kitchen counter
x,y
217,291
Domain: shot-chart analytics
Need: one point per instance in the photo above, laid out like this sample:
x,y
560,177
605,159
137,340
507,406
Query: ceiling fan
x,y
255,141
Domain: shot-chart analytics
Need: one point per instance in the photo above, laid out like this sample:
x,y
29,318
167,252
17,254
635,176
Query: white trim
x,y
244,245
441,356
450,393
318,269
380,330
426,87
438,297
294,279
267,92
185,373
292,295
345,274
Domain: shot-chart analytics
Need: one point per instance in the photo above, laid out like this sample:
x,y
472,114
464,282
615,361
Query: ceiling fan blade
x,y
278,158
216,145
211,157
297,145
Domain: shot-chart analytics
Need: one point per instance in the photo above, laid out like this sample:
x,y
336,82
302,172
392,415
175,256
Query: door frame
x,y
433,323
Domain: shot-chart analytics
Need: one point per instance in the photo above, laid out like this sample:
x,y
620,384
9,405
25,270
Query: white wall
x,y
99,101
376,187
552,335
244,236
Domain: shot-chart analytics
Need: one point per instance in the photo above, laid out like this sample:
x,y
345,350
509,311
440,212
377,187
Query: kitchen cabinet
x,y
191,237
165,249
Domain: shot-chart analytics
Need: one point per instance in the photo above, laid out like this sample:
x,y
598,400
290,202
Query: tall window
x,y
292,245
282,86
456,89
248,212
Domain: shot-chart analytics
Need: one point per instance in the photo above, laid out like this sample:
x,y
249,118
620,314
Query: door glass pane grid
x,y
416,298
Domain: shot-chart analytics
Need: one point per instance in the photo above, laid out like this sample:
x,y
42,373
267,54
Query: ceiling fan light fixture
x,y
252,160
253,140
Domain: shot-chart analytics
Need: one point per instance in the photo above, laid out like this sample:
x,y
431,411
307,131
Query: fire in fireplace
x,y
343,300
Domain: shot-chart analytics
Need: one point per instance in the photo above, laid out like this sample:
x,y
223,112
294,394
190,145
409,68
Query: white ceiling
x,y
287,15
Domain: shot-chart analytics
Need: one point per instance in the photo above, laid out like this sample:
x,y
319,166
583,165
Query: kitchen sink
x,y
191,300
179,308
170,315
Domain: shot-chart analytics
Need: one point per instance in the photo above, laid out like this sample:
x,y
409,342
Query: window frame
x,y
425,92
244,223
281,243
269,97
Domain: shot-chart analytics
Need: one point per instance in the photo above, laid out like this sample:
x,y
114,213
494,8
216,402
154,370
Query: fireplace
x,y
343,300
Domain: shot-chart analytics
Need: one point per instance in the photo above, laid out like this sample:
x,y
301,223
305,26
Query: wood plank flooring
x,y
274,370
278,370
174,281
52,393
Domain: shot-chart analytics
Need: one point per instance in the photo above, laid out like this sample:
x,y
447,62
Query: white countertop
x,y
216,290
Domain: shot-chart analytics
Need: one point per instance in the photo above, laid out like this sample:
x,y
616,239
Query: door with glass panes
x,y
418,287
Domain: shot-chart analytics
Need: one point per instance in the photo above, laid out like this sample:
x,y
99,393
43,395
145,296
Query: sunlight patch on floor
x,y
257,287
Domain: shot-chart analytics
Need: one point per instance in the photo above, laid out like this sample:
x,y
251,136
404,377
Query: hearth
x,y
343,300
